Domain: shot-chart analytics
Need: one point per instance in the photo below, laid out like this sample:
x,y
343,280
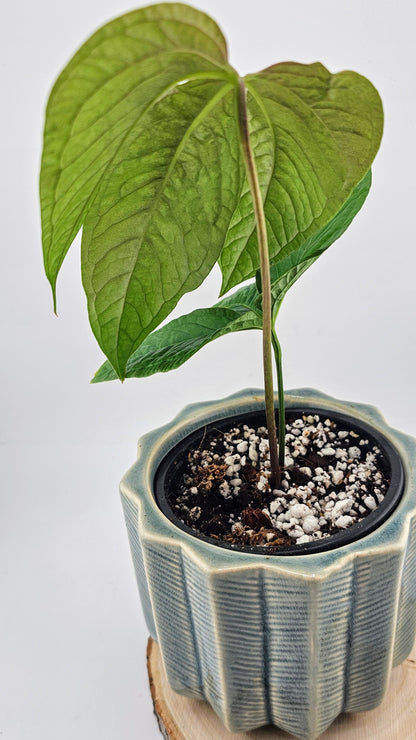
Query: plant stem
x,y
275,474
281,398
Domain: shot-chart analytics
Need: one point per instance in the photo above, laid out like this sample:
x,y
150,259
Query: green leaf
x,y
314,136
146,103
147,238
170,346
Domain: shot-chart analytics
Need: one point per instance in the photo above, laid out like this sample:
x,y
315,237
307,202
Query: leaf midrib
x,y
259,101
225,288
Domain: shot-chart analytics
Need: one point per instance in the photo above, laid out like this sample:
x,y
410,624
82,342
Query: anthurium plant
x,y
171,162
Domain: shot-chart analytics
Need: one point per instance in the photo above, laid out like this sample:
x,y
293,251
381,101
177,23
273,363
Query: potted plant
x,y
171,162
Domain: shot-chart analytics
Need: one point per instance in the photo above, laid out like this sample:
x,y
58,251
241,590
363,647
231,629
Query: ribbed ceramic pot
x,y
267,639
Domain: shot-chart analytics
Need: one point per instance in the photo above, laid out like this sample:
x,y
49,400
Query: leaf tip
x,y
119,372
54,303
104,373
99,375
52,284
223,289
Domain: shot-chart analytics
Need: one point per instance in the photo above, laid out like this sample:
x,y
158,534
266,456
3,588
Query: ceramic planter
x,y
268,639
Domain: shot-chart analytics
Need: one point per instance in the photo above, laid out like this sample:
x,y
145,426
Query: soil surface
x,y
333,477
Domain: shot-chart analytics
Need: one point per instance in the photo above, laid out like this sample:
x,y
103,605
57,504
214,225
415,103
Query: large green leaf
x,y
321,133
147,239
121,109
173,344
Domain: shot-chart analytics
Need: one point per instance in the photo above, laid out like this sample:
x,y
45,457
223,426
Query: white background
x,y
72,638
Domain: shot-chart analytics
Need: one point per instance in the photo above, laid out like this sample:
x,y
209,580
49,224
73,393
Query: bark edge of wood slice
x,y
181,718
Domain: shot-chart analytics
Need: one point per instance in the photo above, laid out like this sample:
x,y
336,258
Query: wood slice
x,y
181,718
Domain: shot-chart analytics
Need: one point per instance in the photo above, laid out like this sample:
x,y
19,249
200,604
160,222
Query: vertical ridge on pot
x,y
406,617
239,621
173,617
131,513
348,636
308,649
192,632
266,644
376,581
289,651
205,629
331,631
202,619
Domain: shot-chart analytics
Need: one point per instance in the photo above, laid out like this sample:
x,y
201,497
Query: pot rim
x,y
137,485
360,529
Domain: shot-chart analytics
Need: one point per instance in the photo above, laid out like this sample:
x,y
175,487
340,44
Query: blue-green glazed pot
x,y
266,639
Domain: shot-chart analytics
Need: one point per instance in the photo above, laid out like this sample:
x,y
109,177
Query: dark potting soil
x,y
333,477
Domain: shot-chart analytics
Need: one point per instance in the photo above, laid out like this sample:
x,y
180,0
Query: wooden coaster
x,y
181,718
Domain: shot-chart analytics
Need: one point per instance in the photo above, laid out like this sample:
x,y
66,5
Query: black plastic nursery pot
x,y
172,467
